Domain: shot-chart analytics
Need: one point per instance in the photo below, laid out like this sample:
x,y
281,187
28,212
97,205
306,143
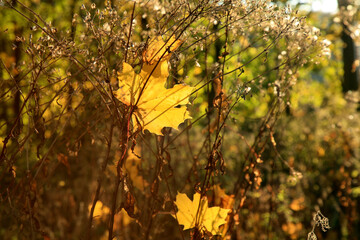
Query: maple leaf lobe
x,y
196,213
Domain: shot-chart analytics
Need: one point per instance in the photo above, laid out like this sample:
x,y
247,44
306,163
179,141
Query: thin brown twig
x,y
130,30
100,179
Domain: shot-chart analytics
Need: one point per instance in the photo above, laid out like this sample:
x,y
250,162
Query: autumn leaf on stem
x,y
159,50
156,107
196,213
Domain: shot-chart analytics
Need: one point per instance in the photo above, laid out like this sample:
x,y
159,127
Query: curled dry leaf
x,y
131,167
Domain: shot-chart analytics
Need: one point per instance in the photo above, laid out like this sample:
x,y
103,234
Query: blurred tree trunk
x,y
351,73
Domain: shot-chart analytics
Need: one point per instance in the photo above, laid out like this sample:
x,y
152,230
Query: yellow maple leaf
x,y
196,213
159,50
156,106
156,56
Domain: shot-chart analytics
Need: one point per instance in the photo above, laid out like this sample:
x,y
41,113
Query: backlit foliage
x,y
113,112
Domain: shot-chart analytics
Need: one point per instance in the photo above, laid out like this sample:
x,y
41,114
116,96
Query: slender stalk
x,y
119,177
100,179
128,41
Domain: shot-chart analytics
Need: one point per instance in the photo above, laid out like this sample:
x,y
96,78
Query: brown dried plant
x,y
76,161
